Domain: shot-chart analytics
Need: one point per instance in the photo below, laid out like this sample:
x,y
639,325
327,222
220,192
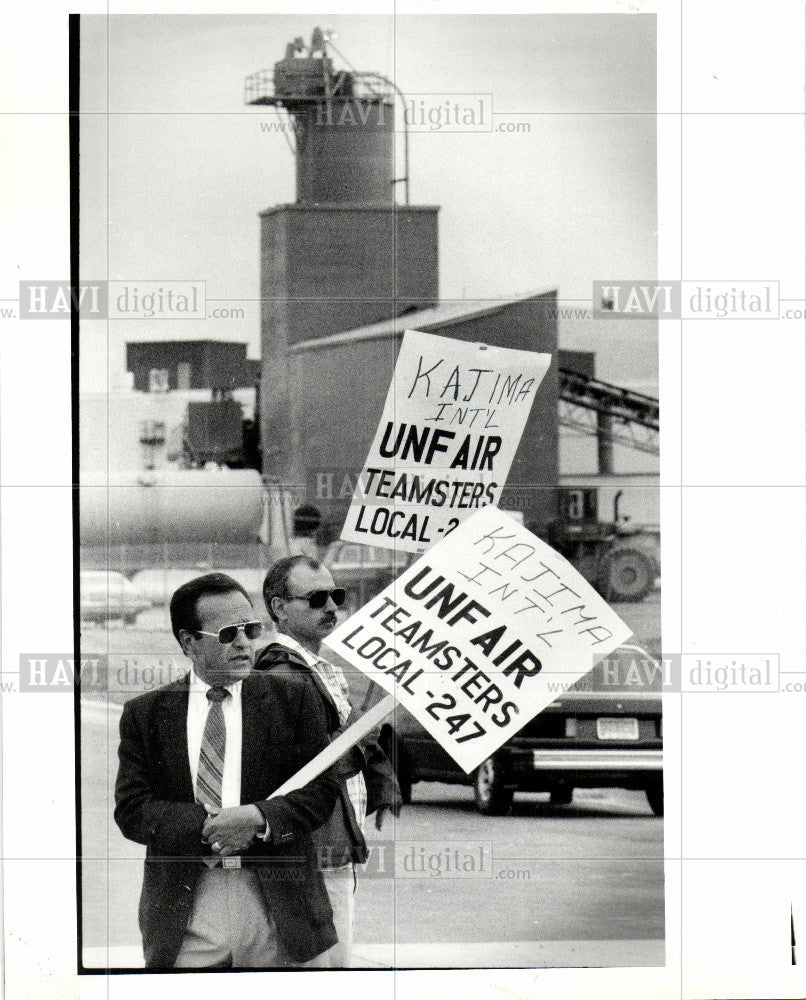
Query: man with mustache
x,y
302,601
231,877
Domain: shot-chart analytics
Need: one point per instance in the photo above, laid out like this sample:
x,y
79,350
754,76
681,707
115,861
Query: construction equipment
x,y
600,549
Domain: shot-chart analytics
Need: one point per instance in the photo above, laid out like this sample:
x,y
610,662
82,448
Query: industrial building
x,y
344,269
168,460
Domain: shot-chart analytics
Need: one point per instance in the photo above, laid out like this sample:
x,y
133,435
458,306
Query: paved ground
x,y
547,885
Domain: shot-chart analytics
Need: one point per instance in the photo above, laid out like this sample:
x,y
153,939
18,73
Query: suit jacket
x,y
339,840
284,726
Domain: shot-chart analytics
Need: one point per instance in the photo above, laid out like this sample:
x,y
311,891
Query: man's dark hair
x,y
276,582
186,599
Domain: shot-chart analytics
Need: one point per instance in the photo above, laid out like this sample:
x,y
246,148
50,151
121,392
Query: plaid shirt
x,y
332,676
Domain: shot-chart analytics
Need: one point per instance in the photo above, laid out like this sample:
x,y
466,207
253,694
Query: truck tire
x,y
625,575
397,758
492,797
654,794
562,795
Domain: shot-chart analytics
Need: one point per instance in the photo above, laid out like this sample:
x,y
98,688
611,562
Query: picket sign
x,y
344,742
475,639
451,425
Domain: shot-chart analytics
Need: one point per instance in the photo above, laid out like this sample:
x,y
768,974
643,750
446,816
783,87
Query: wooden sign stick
x,y
345,741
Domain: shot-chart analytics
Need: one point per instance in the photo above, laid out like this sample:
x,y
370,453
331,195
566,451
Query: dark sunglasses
x,y
318,599
227,634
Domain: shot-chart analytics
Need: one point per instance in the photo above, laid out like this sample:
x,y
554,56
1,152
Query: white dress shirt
x,y
356,785
198,707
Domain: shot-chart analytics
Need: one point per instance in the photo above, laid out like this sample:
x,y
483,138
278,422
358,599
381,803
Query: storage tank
x,y
182,505
344,124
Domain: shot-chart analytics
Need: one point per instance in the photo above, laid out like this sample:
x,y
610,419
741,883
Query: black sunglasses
x,y
318,599
227,634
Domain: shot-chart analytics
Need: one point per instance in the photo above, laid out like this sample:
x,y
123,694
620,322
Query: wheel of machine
x,y
492,797
654,794
625,575
562,795
400,766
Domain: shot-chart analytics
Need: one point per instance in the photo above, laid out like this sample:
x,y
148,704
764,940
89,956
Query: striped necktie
x,y
210,774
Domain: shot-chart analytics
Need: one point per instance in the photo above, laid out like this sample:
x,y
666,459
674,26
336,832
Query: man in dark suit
x,y
230,876
301,599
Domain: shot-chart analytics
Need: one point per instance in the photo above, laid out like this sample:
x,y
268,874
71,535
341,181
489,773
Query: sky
x,y
173,178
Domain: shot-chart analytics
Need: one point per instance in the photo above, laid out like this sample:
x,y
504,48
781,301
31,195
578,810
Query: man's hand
x,y
232,830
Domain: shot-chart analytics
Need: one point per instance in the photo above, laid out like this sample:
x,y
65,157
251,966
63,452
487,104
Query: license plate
x,y
617,729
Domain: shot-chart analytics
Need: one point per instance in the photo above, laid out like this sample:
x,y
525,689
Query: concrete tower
x,y
344,254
